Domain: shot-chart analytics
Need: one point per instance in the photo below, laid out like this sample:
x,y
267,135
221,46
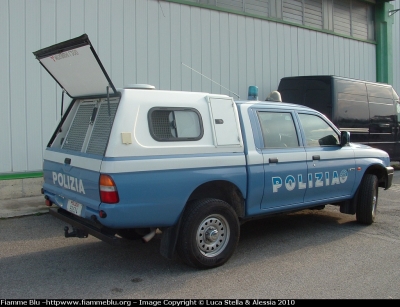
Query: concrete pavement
x,y
22,206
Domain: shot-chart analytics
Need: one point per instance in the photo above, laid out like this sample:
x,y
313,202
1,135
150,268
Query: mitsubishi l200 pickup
x,y
129,163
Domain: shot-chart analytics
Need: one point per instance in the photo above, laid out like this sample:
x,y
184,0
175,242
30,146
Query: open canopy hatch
x,y
76,67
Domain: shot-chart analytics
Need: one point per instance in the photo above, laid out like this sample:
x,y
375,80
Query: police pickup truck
x,y
191,167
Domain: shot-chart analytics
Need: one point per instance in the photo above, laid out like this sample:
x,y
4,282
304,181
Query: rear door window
x,y
278,129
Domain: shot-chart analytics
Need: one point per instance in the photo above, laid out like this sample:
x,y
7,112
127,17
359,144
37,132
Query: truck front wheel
x,y
209,234
367,200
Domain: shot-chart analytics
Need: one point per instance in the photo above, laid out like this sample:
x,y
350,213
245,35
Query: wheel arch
x,y
223,190
217,189
380,172
349,206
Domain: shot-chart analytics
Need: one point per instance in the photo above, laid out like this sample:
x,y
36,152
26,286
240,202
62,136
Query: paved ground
x,y
22,206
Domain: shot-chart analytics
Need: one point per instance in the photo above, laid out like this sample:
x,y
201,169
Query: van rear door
x,y
383,118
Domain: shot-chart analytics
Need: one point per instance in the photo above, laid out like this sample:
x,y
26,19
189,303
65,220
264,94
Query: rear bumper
x,y
103,233
390,173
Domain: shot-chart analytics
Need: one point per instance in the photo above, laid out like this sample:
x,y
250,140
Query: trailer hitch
x,y
79,233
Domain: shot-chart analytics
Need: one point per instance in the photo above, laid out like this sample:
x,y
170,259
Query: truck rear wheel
x,y
209,234
367,200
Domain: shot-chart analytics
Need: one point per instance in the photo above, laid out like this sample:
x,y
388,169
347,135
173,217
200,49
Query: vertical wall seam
x,y
25,94
9,82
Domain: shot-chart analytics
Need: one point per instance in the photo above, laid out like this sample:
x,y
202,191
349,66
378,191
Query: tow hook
x,y
79,233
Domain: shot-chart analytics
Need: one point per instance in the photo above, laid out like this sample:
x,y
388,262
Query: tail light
x,y
108,190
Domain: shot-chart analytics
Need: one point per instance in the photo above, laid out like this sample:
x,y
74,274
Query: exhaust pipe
x,y
150,235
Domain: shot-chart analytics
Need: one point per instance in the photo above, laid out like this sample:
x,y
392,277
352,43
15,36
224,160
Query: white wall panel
x,y
331,54
129,43
324,50
142,35
233,54
76,11
195,44
116,70
206,50
258,50
33,114
320,56
164,29
215,54
307,53
91,21
250,54
186,49
147,41
17,87
281,51
63,17
356,61
273,75
176,58
301,50
153,46
5,105
223,56
313,52
266,59
104,30
242,91
50,93
346,62
287,44
294,51
363,61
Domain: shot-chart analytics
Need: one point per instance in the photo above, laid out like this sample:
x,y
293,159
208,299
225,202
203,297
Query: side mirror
x,y
344,138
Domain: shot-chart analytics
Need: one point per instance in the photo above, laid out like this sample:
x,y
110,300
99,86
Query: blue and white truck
x,y
192,167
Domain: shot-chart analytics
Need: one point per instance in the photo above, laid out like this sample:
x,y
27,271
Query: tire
x,y
367,200
133,234
215,221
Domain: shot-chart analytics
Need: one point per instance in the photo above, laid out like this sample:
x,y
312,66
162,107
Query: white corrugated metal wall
x,y
148,41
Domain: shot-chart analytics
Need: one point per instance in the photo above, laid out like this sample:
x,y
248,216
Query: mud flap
x,y
349,206
168,240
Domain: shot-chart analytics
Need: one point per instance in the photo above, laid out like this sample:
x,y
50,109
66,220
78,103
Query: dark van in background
x,y
369,111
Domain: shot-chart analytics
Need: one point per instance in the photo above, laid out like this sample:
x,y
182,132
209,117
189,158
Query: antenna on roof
x,y
211,80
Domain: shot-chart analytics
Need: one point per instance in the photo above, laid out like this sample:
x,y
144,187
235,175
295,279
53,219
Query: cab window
x,y
317,131
278,129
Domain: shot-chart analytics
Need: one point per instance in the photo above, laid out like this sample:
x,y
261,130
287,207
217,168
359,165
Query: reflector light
x,y
108,190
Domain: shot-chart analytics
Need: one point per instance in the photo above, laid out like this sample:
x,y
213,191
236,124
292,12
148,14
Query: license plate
x,y
74,207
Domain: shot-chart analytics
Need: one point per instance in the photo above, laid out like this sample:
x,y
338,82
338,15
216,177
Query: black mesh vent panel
x,y
161,124
102,128
77,132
